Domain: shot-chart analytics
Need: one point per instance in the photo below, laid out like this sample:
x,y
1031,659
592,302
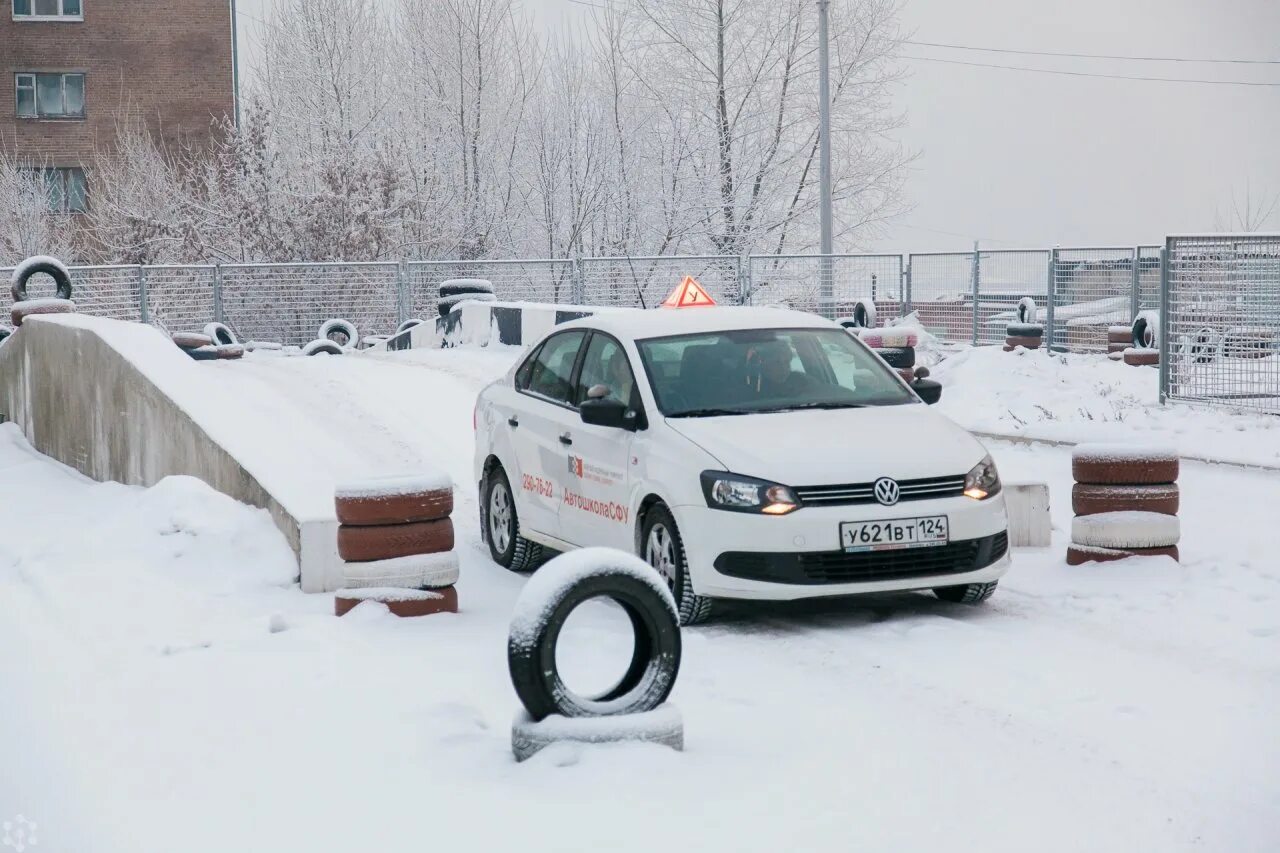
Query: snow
x,y
23,269
548,586
1100,452
1088,398
1127,529
1110,707
394,485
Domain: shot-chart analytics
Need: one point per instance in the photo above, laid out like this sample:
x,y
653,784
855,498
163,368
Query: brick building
x,y
76,69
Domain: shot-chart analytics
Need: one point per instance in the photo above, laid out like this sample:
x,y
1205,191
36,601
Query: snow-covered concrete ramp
x,y
117,401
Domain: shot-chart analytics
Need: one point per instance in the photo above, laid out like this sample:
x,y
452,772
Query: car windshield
x,y
751,371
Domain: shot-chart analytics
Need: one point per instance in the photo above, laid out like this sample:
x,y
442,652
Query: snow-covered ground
x,y
167,689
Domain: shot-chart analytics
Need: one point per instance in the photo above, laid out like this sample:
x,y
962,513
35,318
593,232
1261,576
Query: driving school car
x,y
742,452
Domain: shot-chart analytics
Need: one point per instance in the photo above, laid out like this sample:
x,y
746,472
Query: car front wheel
x,y
662,548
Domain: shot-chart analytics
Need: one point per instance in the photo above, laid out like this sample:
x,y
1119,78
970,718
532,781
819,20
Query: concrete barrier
x,y
118,401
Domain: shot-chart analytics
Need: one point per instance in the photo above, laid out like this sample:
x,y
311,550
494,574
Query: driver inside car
x,y
769,372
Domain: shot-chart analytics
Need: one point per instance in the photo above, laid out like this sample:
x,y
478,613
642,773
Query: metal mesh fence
x,y
646,281
289,302
1005,276
942,293
1220,321
1093,288
795,281
513,281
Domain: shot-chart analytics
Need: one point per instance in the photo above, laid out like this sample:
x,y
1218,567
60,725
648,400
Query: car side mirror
x,y
928,390
607,412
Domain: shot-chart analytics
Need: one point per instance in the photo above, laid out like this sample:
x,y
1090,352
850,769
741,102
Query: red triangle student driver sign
x,y
688,294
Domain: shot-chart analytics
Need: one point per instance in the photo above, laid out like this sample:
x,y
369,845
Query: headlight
x,y
983,481
747,494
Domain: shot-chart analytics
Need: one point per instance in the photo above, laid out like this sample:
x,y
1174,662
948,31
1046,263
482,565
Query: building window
x,y
50,95
48,10
65,188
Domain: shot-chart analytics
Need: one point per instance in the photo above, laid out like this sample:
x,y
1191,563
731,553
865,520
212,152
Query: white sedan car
x,y
743,452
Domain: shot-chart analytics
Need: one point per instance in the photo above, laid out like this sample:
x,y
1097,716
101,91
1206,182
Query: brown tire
x,y
1100,465
387,541
405,604
1092,500
1118,347
1141,357
1029,343
34,307
1120,335
395,509
1080,554
191,340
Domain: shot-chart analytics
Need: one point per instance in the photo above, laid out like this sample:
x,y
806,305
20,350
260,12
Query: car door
x,y
544,410
595,509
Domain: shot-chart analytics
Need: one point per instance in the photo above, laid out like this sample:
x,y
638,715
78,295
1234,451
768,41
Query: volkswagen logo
x,y
887,491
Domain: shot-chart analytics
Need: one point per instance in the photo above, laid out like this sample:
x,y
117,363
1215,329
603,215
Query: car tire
x,y
973,593
662,547
500,526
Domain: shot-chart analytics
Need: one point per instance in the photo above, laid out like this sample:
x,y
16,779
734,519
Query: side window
x,y
552,367
606,364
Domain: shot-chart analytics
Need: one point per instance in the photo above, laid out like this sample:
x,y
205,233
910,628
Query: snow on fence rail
x,y
962,297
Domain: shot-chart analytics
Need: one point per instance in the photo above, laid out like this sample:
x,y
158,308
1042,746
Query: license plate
x,y
894,533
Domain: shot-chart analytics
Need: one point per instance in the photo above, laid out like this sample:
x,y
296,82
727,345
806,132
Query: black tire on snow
x,y
974,593
649,678
898,356
518,554
457,287
54,271
693,608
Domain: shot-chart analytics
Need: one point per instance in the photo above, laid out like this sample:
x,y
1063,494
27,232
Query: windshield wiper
x,y
828,405
707,413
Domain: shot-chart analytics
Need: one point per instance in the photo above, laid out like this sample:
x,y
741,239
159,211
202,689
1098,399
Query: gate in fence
x,y
1220,321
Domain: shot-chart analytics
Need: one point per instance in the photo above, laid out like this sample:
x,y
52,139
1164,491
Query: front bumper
x,y
737,555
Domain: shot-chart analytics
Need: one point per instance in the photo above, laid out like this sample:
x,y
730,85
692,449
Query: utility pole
x,y
826,283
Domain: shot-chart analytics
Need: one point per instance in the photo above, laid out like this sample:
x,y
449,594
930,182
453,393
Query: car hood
x,y
822,447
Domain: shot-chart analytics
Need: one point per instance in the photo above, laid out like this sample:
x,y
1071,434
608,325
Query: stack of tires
x,y
1145,337
1125,501
23,305
395,536
896,346
1119,339
455,290
203,347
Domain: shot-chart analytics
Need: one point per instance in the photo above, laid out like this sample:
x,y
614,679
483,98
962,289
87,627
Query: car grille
x,y
864,493
819,567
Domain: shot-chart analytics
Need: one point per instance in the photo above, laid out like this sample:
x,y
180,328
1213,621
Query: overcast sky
x,y
1015,158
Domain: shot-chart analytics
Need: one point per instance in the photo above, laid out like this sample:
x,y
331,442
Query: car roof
x,y
638,323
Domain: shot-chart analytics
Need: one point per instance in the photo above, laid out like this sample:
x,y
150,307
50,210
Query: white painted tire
x,y
331,326
1126,530
422,570
663,725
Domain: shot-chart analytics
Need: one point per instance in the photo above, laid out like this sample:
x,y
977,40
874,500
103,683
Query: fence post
x,y
218,315
906,286
1162,332
744,280
403,307
578,279
976,257
144,311
1050,289
1134,299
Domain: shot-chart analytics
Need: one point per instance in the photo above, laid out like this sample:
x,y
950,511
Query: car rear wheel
x,y
662,548
501,526
973,593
